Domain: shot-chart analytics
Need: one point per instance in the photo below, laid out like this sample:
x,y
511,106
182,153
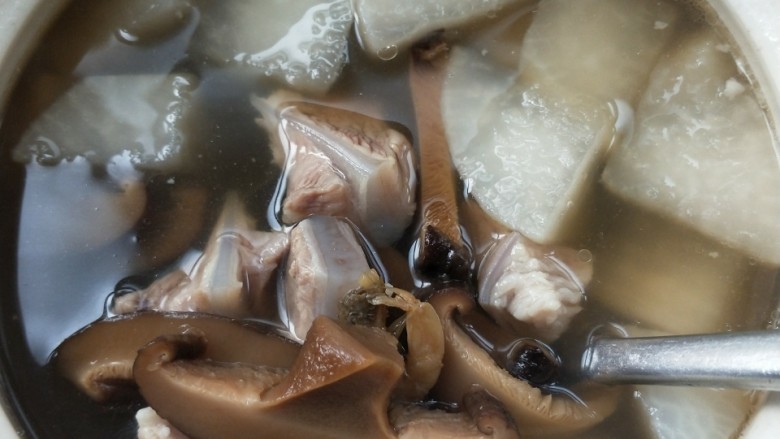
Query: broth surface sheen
x,y
58,275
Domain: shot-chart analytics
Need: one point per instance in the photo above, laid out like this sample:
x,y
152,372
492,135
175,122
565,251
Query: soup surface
x,y
136,120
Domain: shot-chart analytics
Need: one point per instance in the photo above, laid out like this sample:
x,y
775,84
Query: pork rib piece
x,y
340,163
325,262
235,276
526,286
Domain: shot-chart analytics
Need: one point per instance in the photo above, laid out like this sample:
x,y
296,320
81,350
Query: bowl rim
x,y
754,25
34,17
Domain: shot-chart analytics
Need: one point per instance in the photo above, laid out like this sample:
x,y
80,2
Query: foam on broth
x,y
47,296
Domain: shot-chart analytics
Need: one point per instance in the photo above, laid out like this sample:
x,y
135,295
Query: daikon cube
x,y
702,153
604,48
387,27
101,117
301,43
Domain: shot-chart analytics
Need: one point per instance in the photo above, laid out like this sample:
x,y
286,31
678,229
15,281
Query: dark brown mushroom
x,y
534,409
338,387
99,358
482,417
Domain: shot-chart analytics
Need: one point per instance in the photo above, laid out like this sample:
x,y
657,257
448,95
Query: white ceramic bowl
x,y
755,25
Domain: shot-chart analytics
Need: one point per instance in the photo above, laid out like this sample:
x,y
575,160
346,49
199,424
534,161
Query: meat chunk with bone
x,y
527,286
325,262
234,277
340,163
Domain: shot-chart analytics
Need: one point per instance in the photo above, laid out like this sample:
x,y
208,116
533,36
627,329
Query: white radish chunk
x,y
694,413
104,116
540,143
702,153
603,48
473,83
535,158
301,43
387,27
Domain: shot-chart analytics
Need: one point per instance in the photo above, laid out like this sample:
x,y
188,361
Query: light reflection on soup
x,y
125,136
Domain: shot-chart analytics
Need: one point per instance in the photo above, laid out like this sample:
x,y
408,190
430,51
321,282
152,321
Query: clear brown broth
x,y
43,300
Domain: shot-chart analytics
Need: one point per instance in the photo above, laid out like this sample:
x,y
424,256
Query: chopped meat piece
x,y
232,278
341,163
315,185
164,294
152,426
521,285
325,262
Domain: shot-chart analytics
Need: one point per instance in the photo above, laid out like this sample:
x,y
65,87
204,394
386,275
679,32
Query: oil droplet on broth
x,y
388,53
126,36
584,255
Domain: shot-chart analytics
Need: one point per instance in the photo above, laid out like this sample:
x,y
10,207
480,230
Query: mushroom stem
x,y
483,230
538,413
443,252
524,358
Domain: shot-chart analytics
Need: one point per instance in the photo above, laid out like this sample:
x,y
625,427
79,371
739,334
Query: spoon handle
x,y
746,360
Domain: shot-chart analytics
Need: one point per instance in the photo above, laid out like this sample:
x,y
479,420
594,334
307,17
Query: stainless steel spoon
x,y
746,360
